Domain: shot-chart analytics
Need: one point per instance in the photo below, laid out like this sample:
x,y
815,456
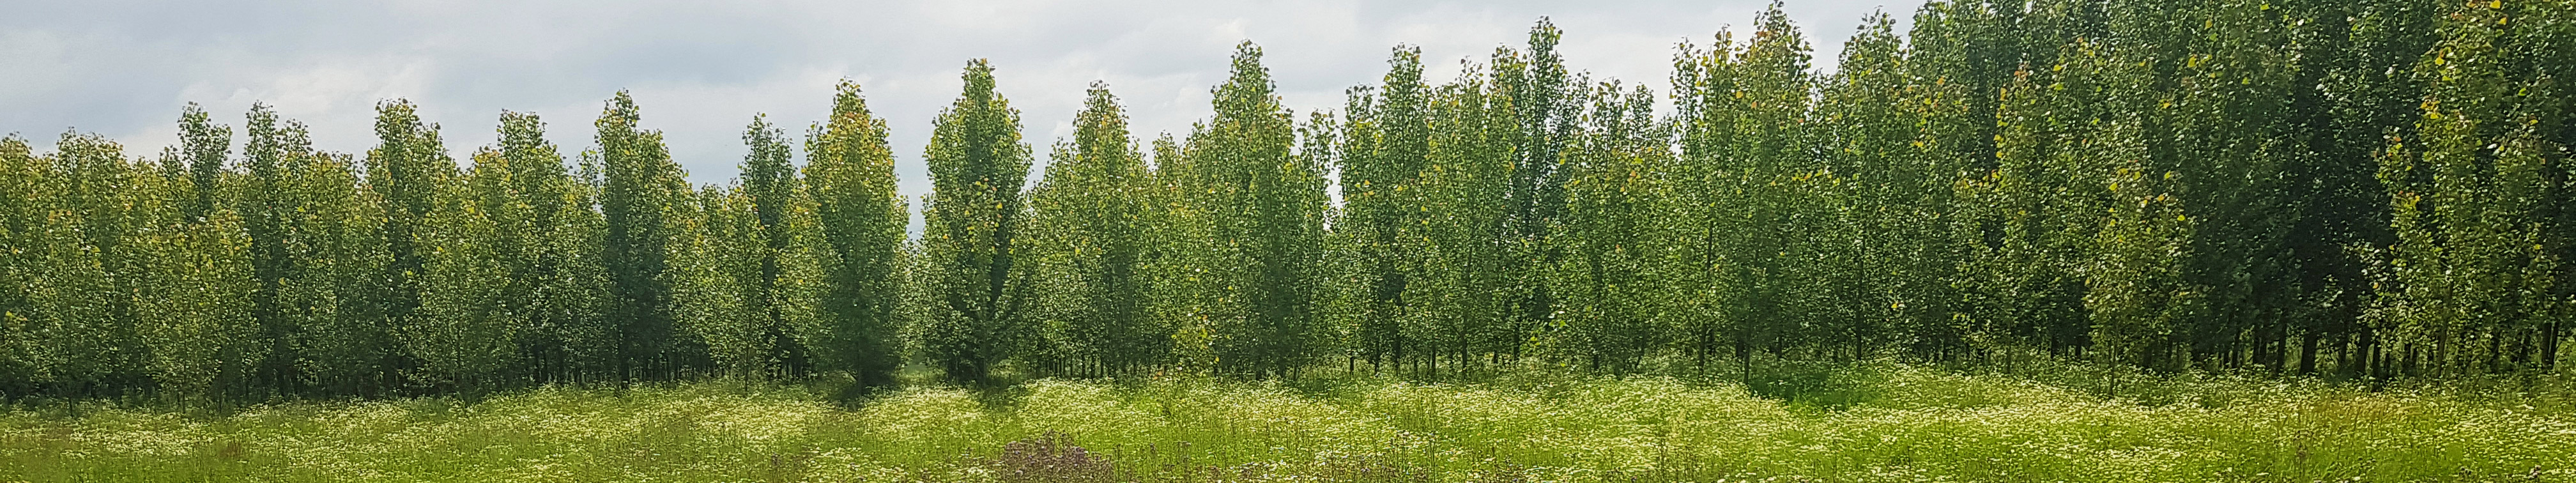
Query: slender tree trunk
x,y
2308,354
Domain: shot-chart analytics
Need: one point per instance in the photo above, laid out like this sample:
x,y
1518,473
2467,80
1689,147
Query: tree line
x,y
2349,188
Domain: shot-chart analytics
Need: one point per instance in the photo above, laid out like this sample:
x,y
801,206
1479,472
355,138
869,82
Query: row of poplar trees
x,y
2355,188
287,271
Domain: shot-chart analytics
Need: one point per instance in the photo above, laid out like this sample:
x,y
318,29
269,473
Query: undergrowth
x,y
1783,422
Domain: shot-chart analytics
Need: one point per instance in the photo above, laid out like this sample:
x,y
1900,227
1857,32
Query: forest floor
x,y
1856,423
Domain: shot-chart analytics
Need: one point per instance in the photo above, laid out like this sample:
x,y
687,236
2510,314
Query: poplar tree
x,y
1090,219
200,161
406,170
1694,273
1185,291
547,234
2230,118
1894,217
583,294
100,263
333,295
317,256
2023,283
641,192
1263,208
2139,304
194,291
971,244
2467,196
713,277
190,284
1810,276
1466,297
1951,97
1385,144
24,361
1611,320
1744,143
2356,89
266,204
769,180
1545,105
850,174
464,332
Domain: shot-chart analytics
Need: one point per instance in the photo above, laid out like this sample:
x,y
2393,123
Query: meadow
x,y
1858,423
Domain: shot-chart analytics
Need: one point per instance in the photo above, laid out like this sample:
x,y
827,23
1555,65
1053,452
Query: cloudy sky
x,y
123,68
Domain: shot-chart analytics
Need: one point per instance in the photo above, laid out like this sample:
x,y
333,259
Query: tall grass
x,y
1860,423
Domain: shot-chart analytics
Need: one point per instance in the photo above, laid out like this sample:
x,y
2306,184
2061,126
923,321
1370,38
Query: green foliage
x,y
972,249
1611,298
199,160
640,201
407,170
782,309
1892,286
1090,223
1261,207
464,331
747,273
331,298
1385,144
1750,195
1544,106
192,295
96,262
861,219
2466,196
23,211
717,251
266,205
1464,308
548,239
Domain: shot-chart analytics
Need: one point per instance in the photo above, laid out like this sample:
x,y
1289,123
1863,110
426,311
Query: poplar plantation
x,y
2365,189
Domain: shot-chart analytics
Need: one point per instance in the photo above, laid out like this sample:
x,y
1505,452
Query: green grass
x,y
1852,423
